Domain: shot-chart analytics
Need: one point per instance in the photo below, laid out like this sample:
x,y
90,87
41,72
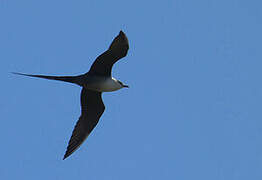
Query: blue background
x,y
193,109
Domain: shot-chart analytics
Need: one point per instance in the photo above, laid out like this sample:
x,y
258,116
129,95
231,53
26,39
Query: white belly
x,y
104,85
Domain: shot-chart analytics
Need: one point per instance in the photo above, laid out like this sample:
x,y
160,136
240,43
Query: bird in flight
x,y
97,80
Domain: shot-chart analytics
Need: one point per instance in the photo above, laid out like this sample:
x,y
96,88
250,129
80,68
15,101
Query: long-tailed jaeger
x,y
97,80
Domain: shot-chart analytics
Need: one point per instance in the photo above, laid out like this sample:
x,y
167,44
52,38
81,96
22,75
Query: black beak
x,y
126,86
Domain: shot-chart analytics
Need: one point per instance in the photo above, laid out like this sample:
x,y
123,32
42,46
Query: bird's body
x,y
102,84
97,80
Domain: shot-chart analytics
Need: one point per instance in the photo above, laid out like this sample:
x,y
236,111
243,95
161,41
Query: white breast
x,y
110,85
104,85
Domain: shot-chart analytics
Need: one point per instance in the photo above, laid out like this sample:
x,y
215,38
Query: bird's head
x,y
122,85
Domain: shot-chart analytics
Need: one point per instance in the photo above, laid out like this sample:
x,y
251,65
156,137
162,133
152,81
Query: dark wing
x,y
92,108
71,79
103,63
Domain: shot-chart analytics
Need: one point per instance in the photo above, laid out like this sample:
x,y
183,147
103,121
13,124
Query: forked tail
x,y
71,79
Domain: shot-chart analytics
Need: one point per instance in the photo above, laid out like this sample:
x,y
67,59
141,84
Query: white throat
x,y
111,84
102,84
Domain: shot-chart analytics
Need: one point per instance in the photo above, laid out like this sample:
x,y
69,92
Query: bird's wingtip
x,y
22,74
14,73
65,156
121,33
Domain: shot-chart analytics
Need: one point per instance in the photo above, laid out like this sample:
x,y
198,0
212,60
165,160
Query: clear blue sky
x,y
193,109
